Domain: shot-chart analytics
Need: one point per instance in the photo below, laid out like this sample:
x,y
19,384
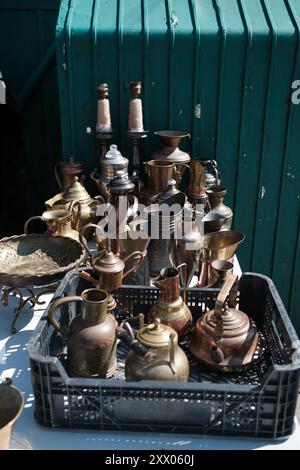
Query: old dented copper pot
x,y
92,335
108,267
170,307
224,339
163,359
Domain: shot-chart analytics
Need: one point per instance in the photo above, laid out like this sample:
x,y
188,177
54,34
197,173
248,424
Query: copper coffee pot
x,y
196,190
170,307
225,339
65,173
155,354
159,173
108,267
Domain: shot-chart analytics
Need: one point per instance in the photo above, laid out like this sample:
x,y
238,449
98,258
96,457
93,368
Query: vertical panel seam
x,y
171,61
95,54
196,74
145,13
70,75
266,112
120,68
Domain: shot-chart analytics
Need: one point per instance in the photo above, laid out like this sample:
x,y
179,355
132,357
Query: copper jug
x,y
196,190
170,307
225,339
76,192
108,267
65,173
159,172
163,359
216,196
59,222
92,338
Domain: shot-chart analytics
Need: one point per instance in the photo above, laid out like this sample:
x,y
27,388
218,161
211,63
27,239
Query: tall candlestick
x,y
103,111
135,120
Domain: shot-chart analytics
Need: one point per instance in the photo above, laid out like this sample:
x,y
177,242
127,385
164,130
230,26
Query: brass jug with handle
x,y
108,267
59,222
92,335
156,354
225,339
170,307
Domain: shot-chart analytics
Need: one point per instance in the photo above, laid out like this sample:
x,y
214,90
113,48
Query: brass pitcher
x,y
225,339
108,267
159,172
76,192
170,307
59,222
163,359
92,335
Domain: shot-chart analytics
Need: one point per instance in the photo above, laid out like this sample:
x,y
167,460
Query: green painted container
x,y
219,69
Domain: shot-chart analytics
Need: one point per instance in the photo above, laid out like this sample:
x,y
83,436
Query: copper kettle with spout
x,y
108,267
225,339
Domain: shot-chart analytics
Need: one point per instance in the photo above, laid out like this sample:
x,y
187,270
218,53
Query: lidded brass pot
x,y
112,162
163,360
59,222
76,192
216,196
170,307
65,173
92,335
225,339
108,267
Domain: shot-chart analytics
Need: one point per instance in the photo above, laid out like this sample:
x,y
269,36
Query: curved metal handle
x,y
35,217
95,176
82,238
214,165
77,215
220,303
183,265
134,209
137,264
172,352
57,168
54,307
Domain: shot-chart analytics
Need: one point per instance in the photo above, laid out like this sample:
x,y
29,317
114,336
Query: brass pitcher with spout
x,y
92,335
170,307
59,222
156,354
108,267
225,339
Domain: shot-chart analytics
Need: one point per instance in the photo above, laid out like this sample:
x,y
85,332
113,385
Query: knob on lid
x,y
156,335
113,152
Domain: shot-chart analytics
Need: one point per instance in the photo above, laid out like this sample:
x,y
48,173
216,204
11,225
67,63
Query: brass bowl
x,y
37,259
221,245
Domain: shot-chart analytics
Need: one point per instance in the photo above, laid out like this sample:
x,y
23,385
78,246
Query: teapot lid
x,y
121,182
113,156
77,192
156,335
109,262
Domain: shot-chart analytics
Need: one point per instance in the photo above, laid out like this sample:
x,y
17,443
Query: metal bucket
x,y
11,406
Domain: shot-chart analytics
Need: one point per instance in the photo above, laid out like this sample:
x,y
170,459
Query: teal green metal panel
x,y
27,62
220,69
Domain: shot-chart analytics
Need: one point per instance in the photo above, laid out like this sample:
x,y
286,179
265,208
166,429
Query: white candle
x,y
135,121
103,116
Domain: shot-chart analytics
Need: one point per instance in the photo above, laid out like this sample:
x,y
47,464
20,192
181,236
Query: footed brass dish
x,y
37,259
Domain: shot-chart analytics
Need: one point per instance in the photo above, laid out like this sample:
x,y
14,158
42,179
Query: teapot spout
x,y
88,277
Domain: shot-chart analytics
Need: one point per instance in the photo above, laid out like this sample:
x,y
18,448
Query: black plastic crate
x,y
259,402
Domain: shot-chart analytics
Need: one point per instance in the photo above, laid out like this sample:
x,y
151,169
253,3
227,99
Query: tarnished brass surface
x,y
37,259
11,407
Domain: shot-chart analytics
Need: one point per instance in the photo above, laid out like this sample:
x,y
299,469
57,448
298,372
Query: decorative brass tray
x,y
35,260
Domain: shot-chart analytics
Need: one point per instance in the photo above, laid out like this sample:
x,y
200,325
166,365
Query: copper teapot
x,y
92,335
108,267
155,354
76,192
170,307
225,339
